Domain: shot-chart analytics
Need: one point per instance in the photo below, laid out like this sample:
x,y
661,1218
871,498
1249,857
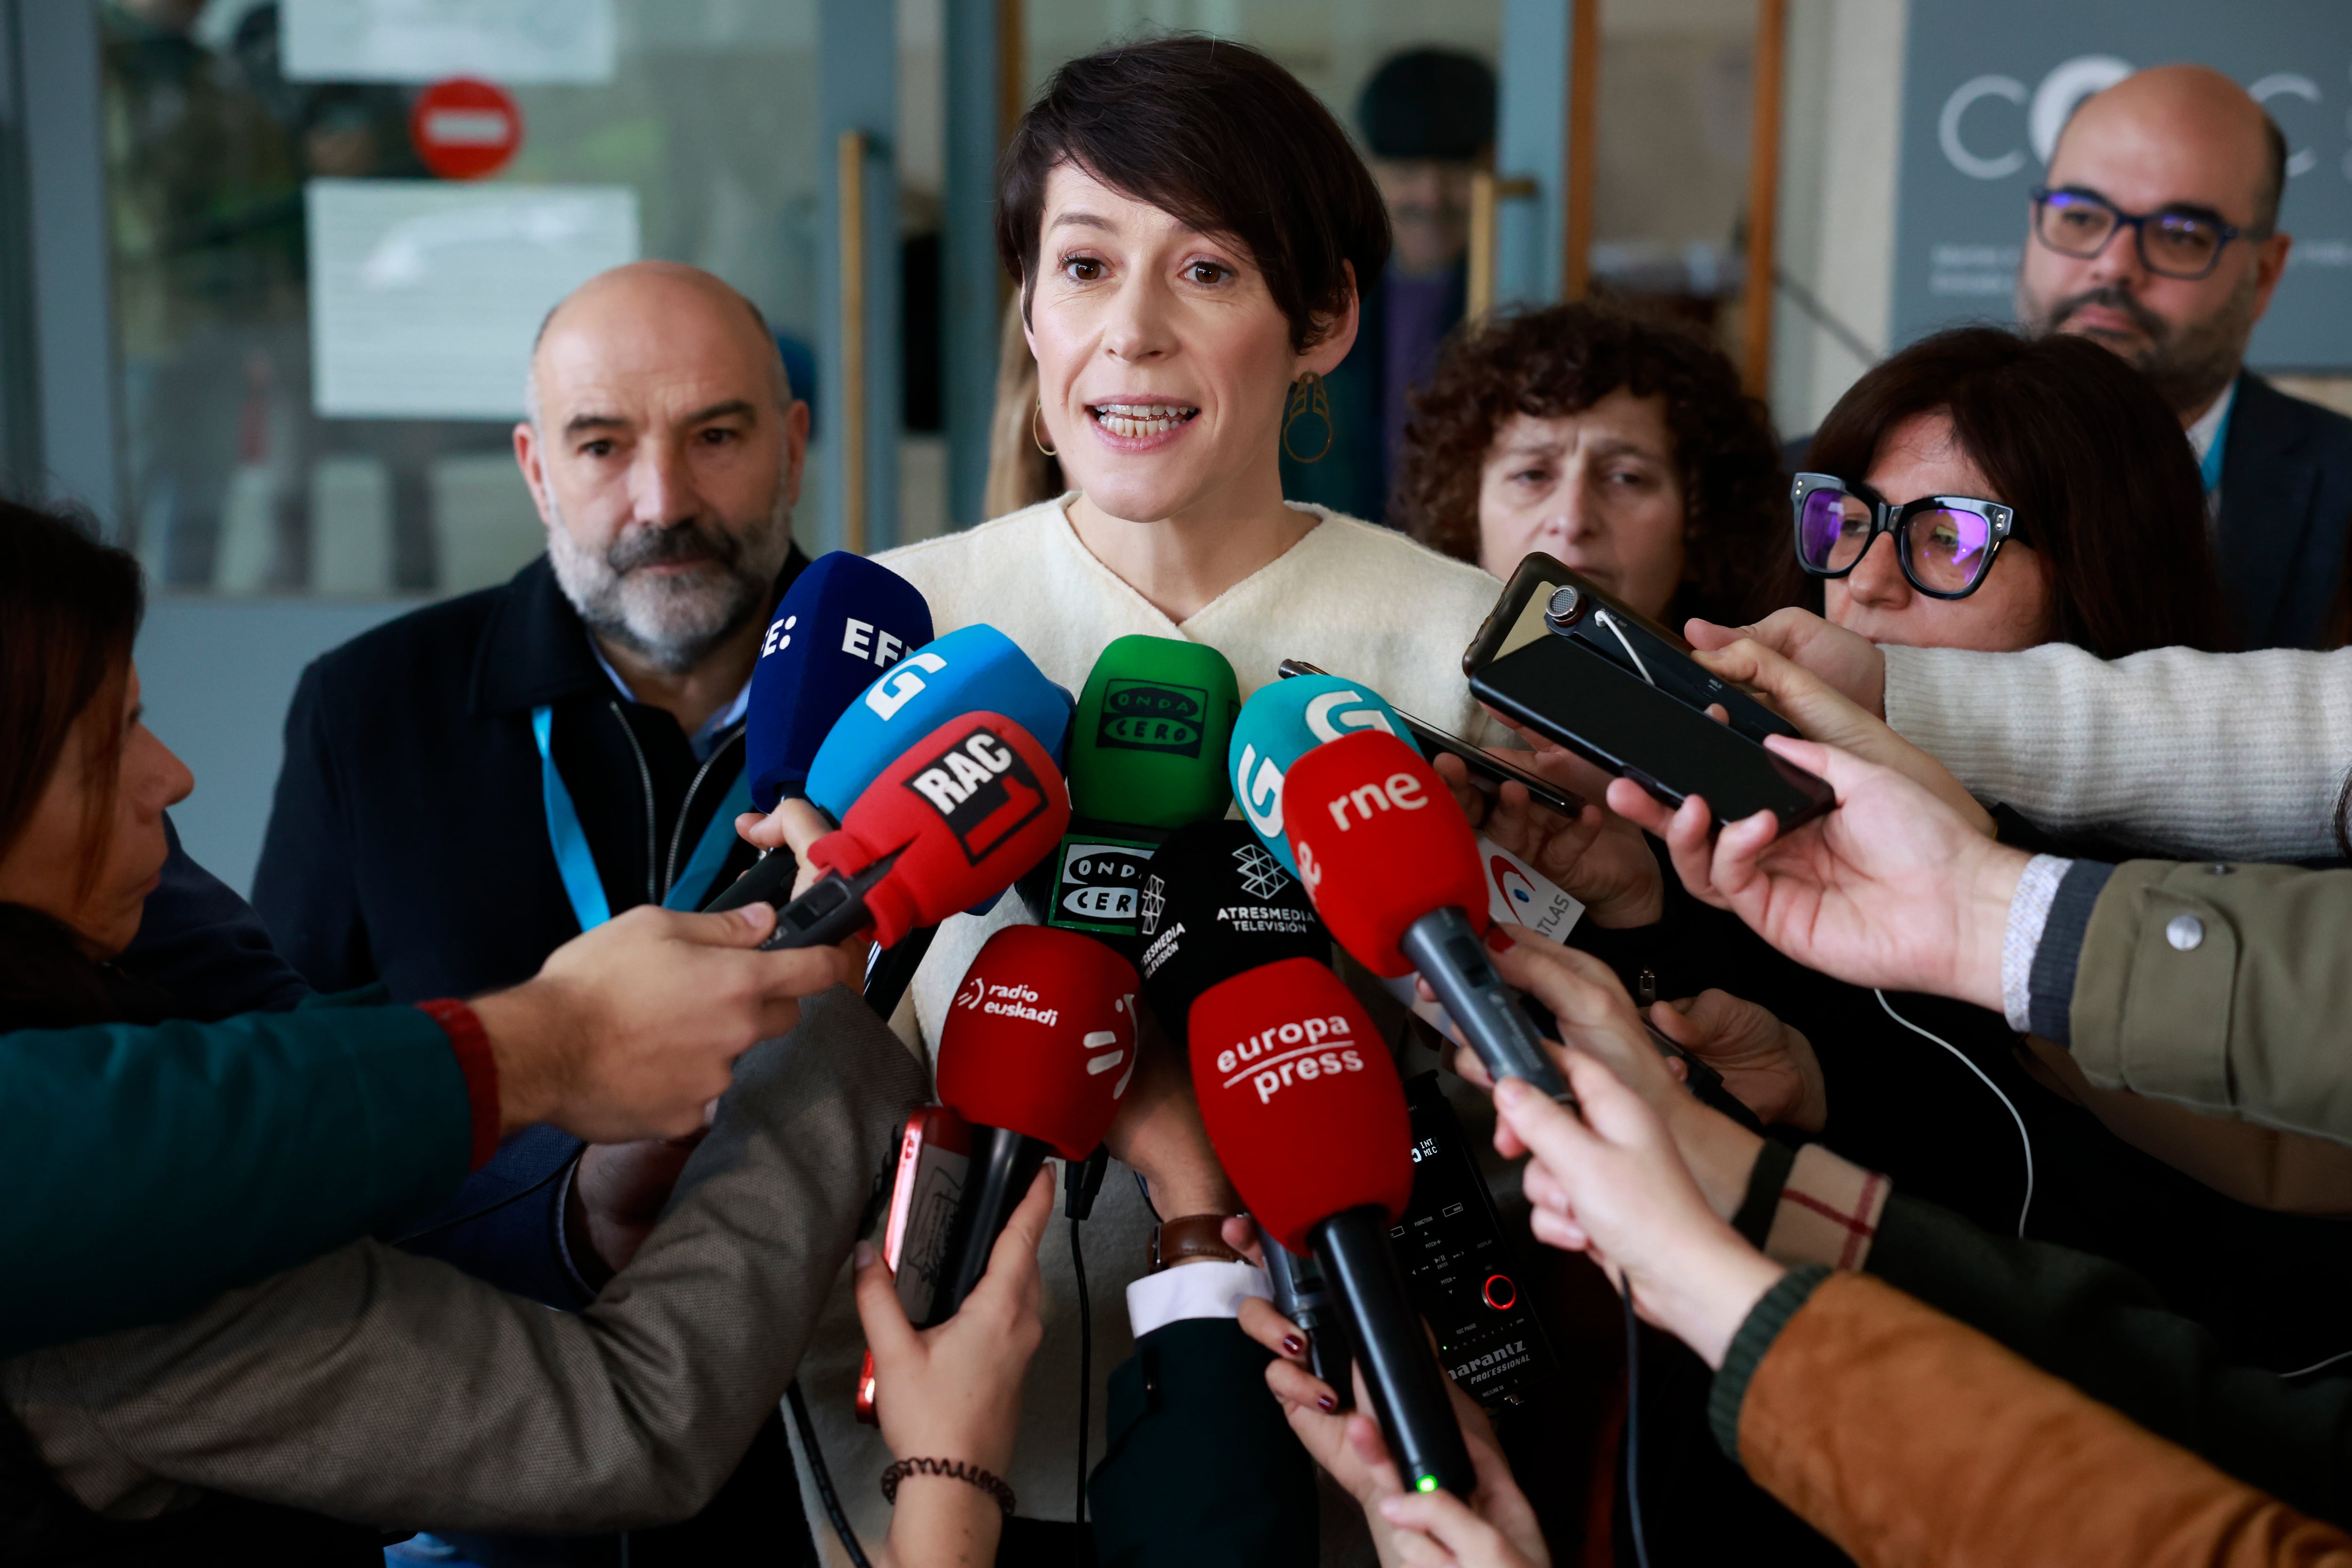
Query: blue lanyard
x,y
2209,468
577,865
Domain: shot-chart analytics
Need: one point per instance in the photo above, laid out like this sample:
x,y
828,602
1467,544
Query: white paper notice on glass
x,y
508,41
426,294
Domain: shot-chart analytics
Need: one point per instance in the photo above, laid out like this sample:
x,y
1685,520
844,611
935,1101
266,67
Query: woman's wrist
x,y
1710,1294
940,1522
1721,1153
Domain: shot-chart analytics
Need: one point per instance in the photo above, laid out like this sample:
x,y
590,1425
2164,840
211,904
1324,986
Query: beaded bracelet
x,y
953,1470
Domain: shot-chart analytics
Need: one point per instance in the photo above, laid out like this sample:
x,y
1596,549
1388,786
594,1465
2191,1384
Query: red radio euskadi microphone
x,y
1035,1052
957,820
1302,1103
1393,869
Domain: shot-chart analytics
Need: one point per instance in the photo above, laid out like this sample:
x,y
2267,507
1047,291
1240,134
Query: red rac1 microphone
x,y
1036,1051
955,820
1393,869
1302,1106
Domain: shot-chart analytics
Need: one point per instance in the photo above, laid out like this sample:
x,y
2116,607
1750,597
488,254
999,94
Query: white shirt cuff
x,y
1204,1290
2029,914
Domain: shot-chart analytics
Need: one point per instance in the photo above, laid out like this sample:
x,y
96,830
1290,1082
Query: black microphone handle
x,y
892,970
1002,1165
1446,950
1301,1295
1393,1351
769,880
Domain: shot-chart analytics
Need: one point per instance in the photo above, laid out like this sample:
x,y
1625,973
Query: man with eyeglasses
x,y
2156,235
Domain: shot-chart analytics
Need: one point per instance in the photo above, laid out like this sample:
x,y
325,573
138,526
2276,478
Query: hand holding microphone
x,y
1037,1052
1304,1107
953,821
1393,870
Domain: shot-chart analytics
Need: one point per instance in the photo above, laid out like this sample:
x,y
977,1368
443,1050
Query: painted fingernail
x,y
1326,1402
1293,1345
1509,1091
863,1253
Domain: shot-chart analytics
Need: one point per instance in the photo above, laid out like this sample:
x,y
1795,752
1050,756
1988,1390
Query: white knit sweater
x,y
2235,755
1360,601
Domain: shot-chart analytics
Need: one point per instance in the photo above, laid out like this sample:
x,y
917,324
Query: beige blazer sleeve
x,y
394,1390
2226,991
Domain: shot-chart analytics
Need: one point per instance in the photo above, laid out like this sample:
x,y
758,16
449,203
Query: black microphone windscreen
x,y
1215,903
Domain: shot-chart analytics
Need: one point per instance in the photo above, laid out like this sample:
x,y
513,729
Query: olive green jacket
x,y
2228,990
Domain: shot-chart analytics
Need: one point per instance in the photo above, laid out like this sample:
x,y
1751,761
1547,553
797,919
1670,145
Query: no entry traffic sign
x,y
464,127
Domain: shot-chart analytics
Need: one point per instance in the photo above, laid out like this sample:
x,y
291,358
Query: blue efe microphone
x,y
843,622
1284,720
971,669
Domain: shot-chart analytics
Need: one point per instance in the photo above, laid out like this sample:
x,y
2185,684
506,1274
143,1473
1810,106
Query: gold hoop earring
x,y
1307,397
1037,440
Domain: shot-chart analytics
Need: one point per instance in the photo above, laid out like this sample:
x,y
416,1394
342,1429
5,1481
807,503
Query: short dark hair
x,y
1564,359
1222,138
69,611
1429,103
2095,464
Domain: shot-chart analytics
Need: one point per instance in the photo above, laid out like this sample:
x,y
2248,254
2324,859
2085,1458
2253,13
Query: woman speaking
x,y
1187,226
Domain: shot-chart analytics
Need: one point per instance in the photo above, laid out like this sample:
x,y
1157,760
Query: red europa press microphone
x,y
1035,1052
1392,867
957,820
1302,1103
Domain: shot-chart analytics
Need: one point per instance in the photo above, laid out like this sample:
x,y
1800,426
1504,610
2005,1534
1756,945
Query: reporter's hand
x,y
1768,1065
1614,1188
1850,662
953,1391
1824,714
1597,857
1593,1014
1350,1449
632,1030
617,1197
1158,1132
793,826
1891,888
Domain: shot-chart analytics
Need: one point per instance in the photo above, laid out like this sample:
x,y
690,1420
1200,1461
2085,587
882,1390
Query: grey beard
x,y
673,624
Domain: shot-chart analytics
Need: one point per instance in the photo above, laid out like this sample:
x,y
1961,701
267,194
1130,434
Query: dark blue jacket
x,y
2286,502
408,845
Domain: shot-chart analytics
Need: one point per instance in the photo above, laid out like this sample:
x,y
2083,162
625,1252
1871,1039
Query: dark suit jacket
x,y
1353,476
2286,499
1200,1466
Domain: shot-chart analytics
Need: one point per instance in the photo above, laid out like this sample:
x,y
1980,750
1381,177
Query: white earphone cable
x,y
2023,1137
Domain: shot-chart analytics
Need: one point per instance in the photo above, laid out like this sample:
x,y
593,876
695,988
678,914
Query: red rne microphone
x,y
1035,1053
1303,1105
957,820
1392,867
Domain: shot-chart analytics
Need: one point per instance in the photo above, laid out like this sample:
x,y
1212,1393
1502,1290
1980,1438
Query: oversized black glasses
x,y
2175,242
1946,543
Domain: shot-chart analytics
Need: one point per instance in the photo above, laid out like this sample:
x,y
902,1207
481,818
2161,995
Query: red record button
x,y
1500,1293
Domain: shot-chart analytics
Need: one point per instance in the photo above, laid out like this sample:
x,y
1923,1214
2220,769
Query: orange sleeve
x,y
1910,1440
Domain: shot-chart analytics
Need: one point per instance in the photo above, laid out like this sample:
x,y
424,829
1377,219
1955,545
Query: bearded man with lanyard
x,y
469,786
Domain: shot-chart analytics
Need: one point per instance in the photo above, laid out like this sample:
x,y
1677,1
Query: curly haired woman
x,y
1618,443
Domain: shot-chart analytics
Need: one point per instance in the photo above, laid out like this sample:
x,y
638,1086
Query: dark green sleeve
x,y
146,1169
2102,1328
1199,1467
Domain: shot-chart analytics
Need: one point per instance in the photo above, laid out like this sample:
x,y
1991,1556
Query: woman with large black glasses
x,y
2028,491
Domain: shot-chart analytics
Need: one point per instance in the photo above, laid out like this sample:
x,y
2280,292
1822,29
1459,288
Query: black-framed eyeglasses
x,y
1946,543
2183,242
